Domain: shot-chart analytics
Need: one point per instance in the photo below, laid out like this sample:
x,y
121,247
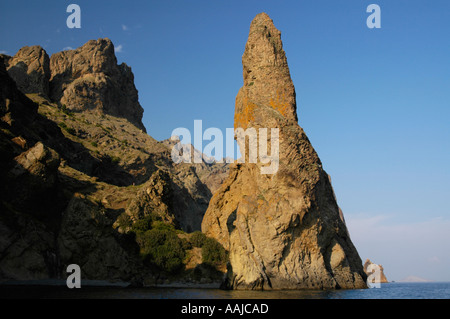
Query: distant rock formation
x,y
210,172
415,279
377,270
282,231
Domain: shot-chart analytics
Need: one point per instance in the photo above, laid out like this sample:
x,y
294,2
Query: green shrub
x,y
124,221
186,243
162,248
71,130
142,225
94,144
65,110
158,224
115,159
197,239
213,253
151,221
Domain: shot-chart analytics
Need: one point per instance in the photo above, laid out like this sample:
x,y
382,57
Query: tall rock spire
x,y
267,81
282,231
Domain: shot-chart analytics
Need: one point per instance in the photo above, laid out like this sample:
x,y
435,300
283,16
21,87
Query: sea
x,y
393,290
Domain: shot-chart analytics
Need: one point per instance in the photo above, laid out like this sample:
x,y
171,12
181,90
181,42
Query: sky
x,y
375,103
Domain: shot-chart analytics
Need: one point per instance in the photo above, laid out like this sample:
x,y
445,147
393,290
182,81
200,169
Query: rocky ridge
x,y
89,78
78,171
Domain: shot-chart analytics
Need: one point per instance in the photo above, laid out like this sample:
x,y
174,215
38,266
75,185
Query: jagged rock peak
x,y
30,69
95,56
267,79
88,78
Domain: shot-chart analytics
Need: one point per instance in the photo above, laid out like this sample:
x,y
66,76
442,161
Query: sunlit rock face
x,y
282,230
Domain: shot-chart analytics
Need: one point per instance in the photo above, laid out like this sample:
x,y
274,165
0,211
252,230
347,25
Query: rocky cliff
x,y
30,69
84,79
282,230
81,181
376,270
89,78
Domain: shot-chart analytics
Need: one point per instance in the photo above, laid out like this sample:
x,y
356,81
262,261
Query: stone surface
x,y
26,246
211,172
282,231
88,78
35,176
86,238
30,69
15,107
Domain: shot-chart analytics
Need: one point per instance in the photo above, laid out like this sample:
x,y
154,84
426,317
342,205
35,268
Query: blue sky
x,y
375,103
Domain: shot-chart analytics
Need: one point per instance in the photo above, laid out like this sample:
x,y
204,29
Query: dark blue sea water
x,y
429,290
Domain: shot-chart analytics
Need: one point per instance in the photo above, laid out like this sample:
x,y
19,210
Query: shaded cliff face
x,y
30,69
88,78
283,231
46,219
